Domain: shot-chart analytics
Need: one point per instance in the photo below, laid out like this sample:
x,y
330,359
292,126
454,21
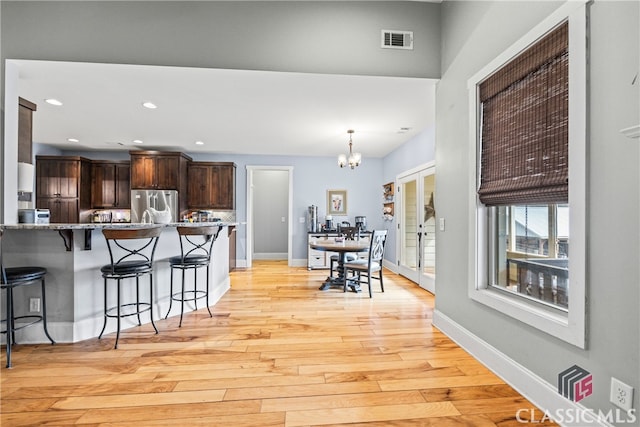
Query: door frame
x,y
249,213
418,173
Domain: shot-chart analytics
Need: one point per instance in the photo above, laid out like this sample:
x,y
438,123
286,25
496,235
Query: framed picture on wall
x,y
336,202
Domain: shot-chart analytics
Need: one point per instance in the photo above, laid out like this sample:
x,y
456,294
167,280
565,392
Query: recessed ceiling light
x,y
137,141
73,140
199,143
150,105
53,101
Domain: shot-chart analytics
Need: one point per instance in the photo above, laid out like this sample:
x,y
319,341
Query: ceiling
x,y
230,111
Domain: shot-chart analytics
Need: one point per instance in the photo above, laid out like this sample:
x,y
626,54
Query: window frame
x,y
567,326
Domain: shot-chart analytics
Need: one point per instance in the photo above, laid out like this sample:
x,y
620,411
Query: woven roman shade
x,y
525,143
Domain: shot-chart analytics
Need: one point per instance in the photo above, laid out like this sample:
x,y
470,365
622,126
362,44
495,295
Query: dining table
x,y
341,247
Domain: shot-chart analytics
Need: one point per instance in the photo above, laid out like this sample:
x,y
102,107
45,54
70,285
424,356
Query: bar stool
x,y
131,252
12,278
196,244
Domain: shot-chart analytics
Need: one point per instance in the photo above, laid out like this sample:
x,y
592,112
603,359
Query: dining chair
x,y
131,252
362,270
349,233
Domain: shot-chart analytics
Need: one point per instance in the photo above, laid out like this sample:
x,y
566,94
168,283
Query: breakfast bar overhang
x,y
73,255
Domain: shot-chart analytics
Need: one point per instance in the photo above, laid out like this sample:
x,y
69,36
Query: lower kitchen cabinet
x,y
64,210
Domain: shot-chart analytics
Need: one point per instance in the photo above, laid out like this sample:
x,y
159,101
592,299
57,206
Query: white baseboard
x,y
270,255
531,386
390,265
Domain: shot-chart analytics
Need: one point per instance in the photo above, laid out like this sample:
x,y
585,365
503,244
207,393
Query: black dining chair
x,y
131,252
349,233
362,271
12,278
196,244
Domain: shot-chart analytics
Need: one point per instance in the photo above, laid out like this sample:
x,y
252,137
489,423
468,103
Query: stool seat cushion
x,y
24,274
126,267
189,260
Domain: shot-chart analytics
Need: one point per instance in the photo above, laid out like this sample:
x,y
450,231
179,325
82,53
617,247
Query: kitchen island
x,y
73,255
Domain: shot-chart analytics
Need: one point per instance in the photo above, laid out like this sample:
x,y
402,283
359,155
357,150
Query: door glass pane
x,y
410,230
429,226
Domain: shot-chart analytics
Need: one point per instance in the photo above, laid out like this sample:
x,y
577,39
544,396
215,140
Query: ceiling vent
x,y
394,39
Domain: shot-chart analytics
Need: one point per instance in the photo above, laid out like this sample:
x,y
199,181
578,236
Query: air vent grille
x,y
396,39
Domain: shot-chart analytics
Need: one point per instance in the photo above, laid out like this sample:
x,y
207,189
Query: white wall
x,y
473,34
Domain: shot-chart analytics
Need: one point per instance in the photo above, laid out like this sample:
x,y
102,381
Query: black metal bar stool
x,y
131,252
13,277
196,244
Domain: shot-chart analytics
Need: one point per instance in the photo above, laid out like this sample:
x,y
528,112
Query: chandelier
x,y
353,159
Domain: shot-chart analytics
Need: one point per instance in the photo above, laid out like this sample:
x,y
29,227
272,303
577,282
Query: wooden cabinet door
x,y
47,182
198,186
103,184
123,186
62,210
143,172
57,178
167,169
222,187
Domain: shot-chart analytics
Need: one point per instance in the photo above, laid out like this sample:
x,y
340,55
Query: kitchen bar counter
x,y
74,282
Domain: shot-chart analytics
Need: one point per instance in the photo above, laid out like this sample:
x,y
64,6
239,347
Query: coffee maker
x,y
361,223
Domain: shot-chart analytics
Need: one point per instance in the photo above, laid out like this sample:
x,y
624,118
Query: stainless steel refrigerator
x,y
154,206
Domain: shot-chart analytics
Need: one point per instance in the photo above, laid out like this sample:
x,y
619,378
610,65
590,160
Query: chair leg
x,y
182,300
195,289
207,293
44,314
9,324
170,293
138,300
369,279
381,282
118,314
104,325
13,320
151,301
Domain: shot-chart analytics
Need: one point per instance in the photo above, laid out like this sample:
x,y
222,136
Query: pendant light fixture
x,y
354,159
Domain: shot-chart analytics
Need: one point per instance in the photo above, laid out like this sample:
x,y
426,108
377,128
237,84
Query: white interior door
x,y
417,227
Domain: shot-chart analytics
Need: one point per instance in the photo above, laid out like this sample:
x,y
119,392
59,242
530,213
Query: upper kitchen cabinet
x,y
110,184
158,170
212,185
63,186
25,129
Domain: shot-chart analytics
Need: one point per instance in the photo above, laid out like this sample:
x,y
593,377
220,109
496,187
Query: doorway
x,y
417,226
269,209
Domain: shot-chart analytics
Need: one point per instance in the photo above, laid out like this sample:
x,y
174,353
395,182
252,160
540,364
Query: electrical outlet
x,y
621,394
34,305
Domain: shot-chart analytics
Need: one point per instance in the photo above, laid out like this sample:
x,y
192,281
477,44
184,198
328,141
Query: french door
x,y
417,227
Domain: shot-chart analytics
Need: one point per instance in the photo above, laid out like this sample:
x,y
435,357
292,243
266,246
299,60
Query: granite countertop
x,y
92,226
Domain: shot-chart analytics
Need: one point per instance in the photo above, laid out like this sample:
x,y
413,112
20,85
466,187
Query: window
x,y
528,120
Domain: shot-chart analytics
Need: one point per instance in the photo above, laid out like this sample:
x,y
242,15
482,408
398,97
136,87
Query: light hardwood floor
x,y
277,352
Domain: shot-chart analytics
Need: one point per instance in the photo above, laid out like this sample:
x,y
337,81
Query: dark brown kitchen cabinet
x,y
25,129
63,185
212,185
110,184
151,170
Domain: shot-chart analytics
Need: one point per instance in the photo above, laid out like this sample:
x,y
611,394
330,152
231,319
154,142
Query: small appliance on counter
x,y
361,223
34,216
312,219
328,222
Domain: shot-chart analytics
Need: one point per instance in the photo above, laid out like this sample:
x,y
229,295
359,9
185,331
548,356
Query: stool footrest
x,y
137,309
197,294
34,319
